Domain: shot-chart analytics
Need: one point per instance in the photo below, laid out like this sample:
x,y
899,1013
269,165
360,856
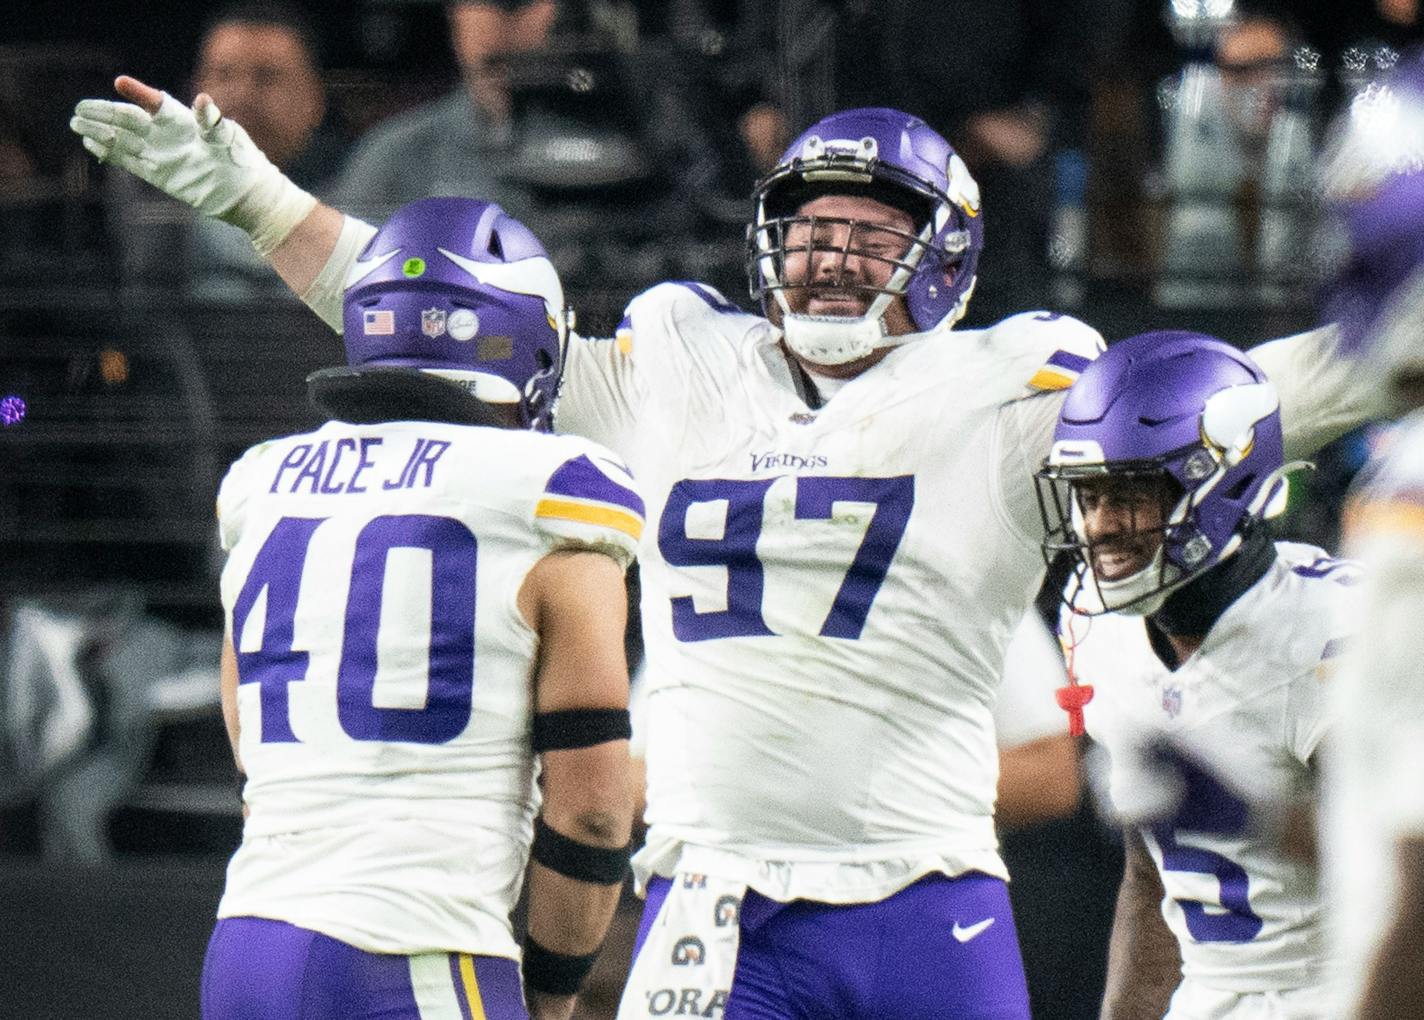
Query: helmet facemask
x,y
807,254
909,281
1157,522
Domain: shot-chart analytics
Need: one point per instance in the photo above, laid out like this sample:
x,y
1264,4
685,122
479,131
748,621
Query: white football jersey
x,y
1373,790
1251,704
386,673
827,593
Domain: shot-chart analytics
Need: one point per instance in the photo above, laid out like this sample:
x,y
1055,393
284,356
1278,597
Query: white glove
x,y
199,158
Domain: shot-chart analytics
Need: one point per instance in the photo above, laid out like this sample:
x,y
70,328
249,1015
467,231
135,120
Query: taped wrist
x,y
581,861
554,973
580,727
271,210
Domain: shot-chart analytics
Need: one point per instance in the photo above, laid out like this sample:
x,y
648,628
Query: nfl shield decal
x,y
432,322
1172,701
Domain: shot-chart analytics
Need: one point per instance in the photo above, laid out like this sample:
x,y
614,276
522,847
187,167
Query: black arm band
x,y
577,860
554,973
580,727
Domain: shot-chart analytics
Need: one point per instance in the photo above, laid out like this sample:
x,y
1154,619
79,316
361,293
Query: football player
x,y
846,536
425,612
1374,814
1203,641
1038,781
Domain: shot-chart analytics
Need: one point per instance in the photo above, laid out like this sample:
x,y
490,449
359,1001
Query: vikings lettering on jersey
x,y
384,691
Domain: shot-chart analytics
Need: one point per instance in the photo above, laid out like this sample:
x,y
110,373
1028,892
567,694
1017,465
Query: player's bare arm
x,y
228,687
1038,781
575,601
1144,963
1300,830
1395,986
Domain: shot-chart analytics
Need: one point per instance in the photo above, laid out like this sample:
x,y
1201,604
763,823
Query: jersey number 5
x,y
277,570
1209,807
893,498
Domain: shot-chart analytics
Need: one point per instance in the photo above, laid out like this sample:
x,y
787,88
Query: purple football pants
x,y
258,969
941,949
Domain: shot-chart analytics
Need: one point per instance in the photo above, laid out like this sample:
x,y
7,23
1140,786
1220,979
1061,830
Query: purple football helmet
x,y
1182,410
896,159
1373,180
452,299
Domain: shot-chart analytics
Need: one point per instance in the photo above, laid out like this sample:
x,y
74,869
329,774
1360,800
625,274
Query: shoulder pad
x,y
590,501
662,296
1055,348
233,494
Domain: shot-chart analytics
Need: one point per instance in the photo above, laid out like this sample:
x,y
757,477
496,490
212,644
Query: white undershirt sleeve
x,y
327,293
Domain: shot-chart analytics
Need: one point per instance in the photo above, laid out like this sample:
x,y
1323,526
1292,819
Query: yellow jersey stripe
x,y
1051,379
607,516
472,987
1392,517
624,338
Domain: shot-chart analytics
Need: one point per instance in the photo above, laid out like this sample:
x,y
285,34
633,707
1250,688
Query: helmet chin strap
x,y
837,339
1137,594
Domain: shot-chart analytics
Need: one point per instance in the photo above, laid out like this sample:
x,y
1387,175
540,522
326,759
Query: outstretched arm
x,y
1324,393
1038,782
209,162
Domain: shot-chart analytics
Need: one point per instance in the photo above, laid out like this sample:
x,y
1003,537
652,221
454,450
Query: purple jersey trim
x,y
581,479
714,300
1066,359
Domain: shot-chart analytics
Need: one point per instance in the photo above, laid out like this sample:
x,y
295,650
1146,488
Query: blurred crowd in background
x,y
1143,165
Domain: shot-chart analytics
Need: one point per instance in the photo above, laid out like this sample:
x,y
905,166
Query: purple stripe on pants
x,y
652,903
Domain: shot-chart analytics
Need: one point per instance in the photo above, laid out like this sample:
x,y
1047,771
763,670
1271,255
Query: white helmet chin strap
x,y
1134,595
837,339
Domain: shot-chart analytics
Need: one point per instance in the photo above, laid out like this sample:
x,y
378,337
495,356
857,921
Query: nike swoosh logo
x,y
965,934
361,270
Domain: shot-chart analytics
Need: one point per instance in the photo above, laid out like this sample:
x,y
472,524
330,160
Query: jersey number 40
x,y
277,570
